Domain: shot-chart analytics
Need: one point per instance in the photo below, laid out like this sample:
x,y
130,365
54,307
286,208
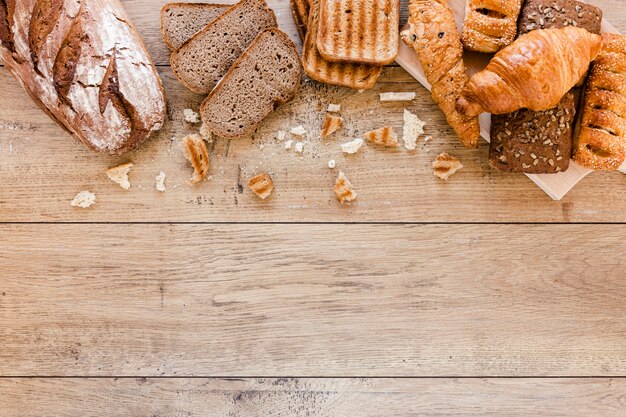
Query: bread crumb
x,y
299,131
331,125
397,96
445,165
344,189
299,148
84,199
206,134
119,175
353,146
281,135
413,129
427,138
334,108
332,164
262,185
160,182
385,136
196,152
261,146
191,116
288,144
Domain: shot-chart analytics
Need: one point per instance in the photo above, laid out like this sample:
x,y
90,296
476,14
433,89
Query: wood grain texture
x,y
312,397
312,300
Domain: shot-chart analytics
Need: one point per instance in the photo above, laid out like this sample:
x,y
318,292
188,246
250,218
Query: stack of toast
x,y
235,54
347,42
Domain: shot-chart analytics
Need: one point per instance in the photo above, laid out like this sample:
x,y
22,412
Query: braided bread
x,y
602,139
490,25
432,33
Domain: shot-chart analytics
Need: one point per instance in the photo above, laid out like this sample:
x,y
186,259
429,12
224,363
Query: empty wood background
x,y
475,297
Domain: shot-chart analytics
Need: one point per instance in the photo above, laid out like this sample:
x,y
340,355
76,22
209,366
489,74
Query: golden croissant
x,y
535,72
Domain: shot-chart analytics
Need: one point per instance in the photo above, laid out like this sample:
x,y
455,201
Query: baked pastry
x,y
533,142
490,25
432,33
534,72
363,31
356,76
548,14
86,66
602,138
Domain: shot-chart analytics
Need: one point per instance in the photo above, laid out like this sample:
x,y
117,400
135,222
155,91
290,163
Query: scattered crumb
x,y
446,165
385,136
413,129
206,133
84,199
332,164
344,189
397,96
299,131
427,138
288,144
262,185
353,146
331,125
196,152
119,175
299,148
160,182
191,116
281,135
334,108
261,146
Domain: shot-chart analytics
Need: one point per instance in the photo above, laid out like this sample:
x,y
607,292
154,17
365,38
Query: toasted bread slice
x,y
300,10
332,124
180,21
266,75
385,136
357,76
261,185
364,31
202,61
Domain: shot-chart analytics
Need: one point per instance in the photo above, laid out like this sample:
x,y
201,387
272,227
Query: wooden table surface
x,y
479,296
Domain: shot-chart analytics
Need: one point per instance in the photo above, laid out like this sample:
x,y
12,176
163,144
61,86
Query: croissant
x,y
433,34
535,72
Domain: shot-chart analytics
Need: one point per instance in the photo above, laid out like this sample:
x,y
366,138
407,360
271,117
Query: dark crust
x,y
6,22
45,16
300,10
66,60
569,13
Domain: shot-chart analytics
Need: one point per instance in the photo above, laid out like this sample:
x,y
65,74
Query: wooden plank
x,y
43,168
312,397
312,300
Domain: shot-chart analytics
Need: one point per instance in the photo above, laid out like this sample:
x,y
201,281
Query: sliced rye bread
x,y
180,21
268,74
357,76
202,61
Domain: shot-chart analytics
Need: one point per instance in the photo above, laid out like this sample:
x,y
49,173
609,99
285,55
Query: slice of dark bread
x,y
180,21
266,75
202,61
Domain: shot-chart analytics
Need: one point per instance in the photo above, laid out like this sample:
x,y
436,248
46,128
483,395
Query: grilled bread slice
x,y
300,10
357,76
180,21
385,136
202,61
266,75
364,31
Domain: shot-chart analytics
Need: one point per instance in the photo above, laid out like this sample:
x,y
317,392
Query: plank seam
x,y
307,377
9,223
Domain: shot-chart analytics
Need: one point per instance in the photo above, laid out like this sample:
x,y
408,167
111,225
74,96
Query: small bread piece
x,y
446,165
385,136
363,31
267,75
334,108
160,182
191,116
353,146
119,175
490,25
262,185
202,61
602,139
196,152
548,14
300,10
356,76
331,124
412,130
84,199
298,131
408,96
344,189
180,21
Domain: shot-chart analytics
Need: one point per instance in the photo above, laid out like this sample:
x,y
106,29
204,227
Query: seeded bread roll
x,y
547,14
533,142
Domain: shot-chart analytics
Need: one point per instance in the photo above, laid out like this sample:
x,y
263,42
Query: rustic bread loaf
x,y
180,21
266,75
202,61
86,66
547,14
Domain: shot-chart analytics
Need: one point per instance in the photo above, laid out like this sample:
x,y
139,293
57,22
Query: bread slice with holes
x,y
202,61
180,21
267,75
